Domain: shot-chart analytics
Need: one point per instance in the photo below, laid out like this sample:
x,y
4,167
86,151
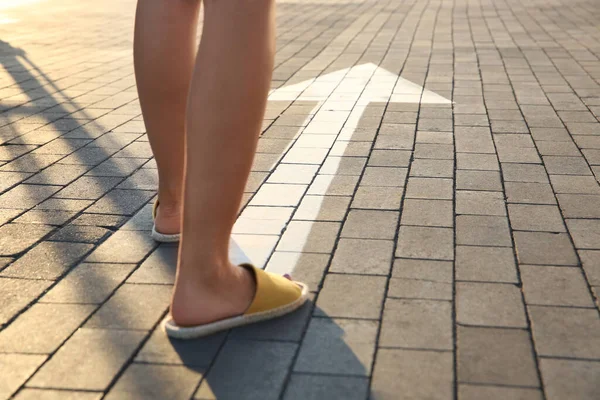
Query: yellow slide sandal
x,y
275,296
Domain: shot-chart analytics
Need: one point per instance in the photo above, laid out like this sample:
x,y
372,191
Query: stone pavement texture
x,y
450,235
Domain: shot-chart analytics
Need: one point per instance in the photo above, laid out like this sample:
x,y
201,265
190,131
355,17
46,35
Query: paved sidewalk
x,y
450,235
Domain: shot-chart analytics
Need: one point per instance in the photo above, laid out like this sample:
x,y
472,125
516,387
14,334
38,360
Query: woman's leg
x,y
164,55
225,111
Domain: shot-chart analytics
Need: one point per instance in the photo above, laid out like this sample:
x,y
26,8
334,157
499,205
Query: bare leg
x,y
226,106
164,55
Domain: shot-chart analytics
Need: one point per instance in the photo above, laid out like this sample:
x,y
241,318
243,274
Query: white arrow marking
x,y
340,100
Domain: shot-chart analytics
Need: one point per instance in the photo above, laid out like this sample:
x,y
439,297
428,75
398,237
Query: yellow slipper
x,y
275,296
162,237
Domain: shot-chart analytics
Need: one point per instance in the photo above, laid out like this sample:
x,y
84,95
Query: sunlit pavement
x,y
429,168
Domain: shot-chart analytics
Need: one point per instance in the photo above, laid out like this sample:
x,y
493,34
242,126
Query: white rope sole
x,y
192,332
163,238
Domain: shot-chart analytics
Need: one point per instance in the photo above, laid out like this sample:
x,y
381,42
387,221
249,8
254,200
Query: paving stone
x,y
566,332
88,283
58,174
337,298
555,286
114,140
513,172
419,289
527,217
254,249
528,192
400,141
16,294
480,203
45,217
434,151
121,202
566,165
293,173
102,220
570,379
117,167
389,158
8,214
472,161
585,233
255,180
310,237
488,264
260,369
65,205
123,247
132,307
314,387
579,206
300,155
474,140
88,156
429,188
43,394
495,356
590,260
42,328
440,137
363,256
556,148
378,198
425,270
432,168
476,392
160,349
79,234
427,213
592,156
480,230
583,128
15,370
412,323
542,248
31,162
47,260
158,268
89,360
89,187
16,238
489,304
10,152
369,224
26,196
425,242
384,176
149,381
136,149
351,149
352,166
278,195
410,374
337,346
305,267
478,180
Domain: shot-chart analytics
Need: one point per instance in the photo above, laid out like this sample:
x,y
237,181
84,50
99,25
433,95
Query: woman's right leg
x,y
225,110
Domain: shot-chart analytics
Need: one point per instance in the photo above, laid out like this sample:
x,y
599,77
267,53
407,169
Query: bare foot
x,y
168,220
197,301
